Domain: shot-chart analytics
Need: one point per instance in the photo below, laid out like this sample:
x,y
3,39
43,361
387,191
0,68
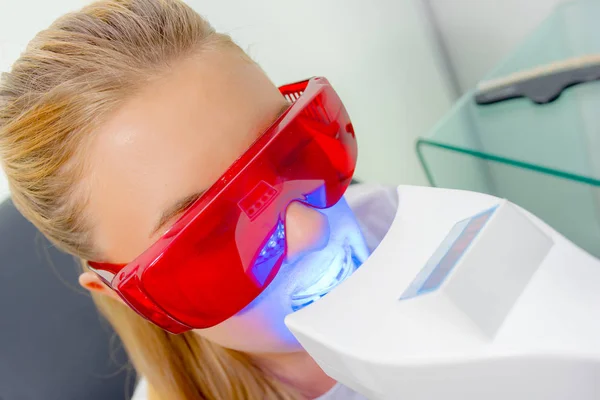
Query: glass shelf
x,y
545,158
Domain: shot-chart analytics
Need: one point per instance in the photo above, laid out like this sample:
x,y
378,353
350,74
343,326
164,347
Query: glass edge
x,y
503,160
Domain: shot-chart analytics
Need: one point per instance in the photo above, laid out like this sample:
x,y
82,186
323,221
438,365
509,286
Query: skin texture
x,y
175,138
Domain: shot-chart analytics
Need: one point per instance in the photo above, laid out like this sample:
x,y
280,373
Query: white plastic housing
x,y
517,315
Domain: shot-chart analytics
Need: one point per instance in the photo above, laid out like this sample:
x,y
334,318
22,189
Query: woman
x,y
113,123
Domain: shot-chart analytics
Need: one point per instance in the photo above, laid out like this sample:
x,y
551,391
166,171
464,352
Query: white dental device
x,y
468,297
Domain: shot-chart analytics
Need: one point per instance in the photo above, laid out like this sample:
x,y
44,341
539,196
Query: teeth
x,y
274,246
341,267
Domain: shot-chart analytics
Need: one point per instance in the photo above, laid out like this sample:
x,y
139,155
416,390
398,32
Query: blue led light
x,y
269,254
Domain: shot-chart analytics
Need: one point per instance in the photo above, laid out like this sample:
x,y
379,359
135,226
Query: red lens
x,y
230,244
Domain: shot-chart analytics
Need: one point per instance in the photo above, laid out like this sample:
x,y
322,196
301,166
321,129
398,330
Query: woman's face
x,y
172,141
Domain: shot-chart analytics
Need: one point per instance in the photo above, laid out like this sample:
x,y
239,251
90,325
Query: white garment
x,y
375,207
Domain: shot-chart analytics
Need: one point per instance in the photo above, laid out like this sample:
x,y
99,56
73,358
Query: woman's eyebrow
x,y
177,208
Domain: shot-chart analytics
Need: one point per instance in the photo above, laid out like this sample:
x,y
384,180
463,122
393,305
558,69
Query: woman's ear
x,y
93,283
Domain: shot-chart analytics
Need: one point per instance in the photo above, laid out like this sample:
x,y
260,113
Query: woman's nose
x,y
306,230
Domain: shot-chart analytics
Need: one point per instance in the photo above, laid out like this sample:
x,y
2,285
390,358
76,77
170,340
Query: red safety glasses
x,y
227,247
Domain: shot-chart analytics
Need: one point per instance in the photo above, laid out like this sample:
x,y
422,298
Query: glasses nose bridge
x,y
276,198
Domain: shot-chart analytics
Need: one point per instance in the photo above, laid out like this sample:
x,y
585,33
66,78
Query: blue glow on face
x,y
310,276
317,196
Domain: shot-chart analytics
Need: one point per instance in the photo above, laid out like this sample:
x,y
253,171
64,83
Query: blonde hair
x,y
69,79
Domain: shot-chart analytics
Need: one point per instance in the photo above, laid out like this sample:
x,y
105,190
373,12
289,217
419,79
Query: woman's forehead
x,y
173,139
